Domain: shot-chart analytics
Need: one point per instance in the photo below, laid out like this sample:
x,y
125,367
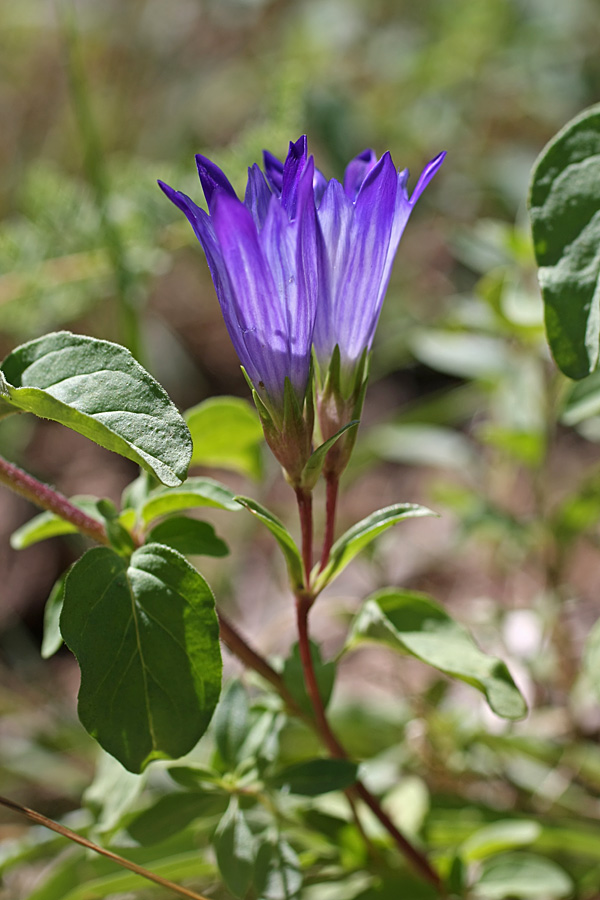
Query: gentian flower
x,y
263,260
262,255
360,225
303,262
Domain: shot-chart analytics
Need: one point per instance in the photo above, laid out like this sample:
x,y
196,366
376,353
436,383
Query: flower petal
x,y
273,171
258,196
291,252
204,231
292,170
357,170
212,178
255,317
426,175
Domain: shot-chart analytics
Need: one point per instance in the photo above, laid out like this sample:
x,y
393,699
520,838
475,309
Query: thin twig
x,y
39,819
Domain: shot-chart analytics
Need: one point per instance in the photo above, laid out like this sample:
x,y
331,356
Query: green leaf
x,y
582,401
281,535
99,390
112,794
564,205
293,676
591,659
188,536
499,836
413,623
174,812
277,873
47,525
360,535
226,433
316,776
234,849
231,722
195,493
146,637
312,469
52,640
523,876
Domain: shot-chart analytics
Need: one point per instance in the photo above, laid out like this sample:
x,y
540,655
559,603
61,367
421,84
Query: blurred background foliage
x,y
465,411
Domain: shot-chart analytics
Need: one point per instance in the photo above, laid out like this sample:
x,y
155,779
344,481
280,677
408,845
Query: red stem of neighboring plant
x,y
332,484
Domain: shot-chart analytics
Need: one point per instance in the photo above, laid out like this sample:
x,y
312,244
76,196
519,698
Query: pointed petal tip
x,y
426,176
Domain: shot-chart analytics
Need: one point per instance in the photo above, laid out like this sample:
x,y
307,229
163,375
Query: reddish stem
x,y
306,527
53,501
330,508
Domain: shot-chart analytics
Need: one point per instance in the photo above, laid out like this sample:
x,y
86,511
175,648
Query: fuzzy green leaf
x,y
146,637
564,204
99,390
235,851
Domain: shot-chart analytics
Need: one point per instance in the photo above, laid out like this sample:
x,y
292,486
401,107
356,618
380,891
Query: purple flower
x,y
361,224
262,255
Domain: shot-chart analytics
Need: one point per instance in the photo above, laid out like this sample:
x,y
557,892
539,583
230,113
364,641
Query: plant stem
x,y
39,819
306,527
53,501
304,602
330,508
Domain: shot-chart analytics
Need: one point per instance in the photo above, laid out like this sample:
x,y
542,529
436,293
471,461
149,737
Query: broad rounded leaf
x,y
226,433
195,493
317,776
413,623
564,205
360,535
146,637
99,390
281,535
523,876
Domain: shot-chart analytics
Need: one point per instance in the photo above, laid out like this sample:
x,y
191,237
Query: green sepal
x,y
282,536
314,466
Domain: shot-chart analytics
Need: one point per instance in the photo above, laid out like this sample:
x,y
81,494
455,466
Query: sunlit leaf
x,y
195,493
412,623
564,204
360,535
522,876
99,390
226,433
